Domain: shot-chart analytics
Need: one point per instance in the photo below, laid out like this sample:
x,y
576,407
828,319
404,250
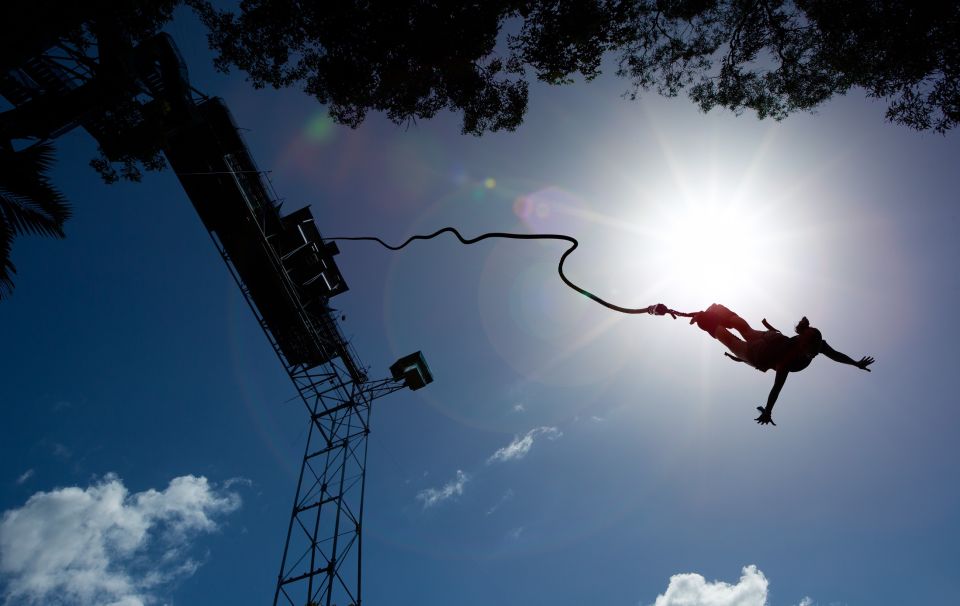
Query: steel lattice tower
x,y
321,562
283,267
322,552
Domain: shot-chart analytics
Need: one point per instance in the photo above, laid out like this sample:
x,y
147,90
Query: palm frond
x,y
7,268
29,203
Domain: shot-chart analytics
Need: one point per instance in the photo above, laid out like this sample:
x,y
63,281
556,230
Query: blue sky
x,y
628,459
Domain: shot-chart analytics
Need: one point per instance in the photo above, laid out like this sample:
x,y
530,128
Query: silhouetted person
x,y
770,349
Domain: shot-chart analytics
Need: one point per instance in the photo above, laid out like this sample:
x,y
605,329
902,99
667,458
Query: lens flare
x,y
319,129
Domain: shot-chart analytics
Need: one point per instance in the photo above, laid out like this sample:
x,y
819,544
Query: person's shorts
x,y
764,353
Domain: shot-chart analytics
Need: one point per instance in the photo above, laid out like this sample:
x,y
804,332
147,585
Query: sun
x,y
713,249
721,244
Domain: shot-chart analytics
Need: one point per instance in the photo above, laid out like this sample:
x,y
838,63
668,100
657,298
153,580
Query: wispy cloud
x,y
521,445
519,407
691,589
454,488
103,545
25,476
237,481
507,496
515,533
517,449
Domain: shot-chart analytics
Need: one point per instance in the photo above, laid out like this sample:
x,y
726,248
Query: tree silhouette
x,y
95,36
29,204
410,59
98,36
414,58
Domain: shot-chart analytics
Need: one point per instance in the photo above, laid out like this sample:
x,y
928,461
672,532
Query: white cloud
x,y
519,408
521,445
507,496
103,545
25,476
691,589
453,488
807,601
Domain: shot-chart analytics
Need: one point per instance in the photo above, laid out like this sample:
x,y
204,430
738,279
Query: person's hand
x,y
765,417
864,362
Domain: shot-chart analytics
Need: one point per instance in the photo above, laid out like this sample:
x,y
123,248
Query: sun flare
x,y
713,246
711,250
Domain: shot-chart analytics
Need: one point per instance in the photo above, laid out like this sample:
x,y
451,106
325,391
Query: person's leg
x,y
737,347
728,319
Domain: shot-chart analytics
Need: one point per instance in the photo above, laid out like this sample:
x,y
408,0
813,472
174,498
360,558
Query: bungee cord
x,y
657,310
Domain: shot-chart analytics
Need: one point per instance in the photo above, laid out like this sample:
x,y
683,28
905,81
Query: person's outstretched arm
x,y
836,356
766,413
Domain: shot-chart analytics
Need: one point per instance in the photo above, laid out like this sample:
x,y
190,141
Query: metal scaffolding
x,y
283,267
321,563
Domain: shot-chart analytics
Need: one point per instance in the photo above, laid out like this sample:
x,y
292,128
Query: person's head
x,y
809,334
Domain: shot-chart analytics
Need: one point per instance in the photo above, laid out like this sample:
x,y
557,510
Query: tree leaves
x,y
411,59
29,203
